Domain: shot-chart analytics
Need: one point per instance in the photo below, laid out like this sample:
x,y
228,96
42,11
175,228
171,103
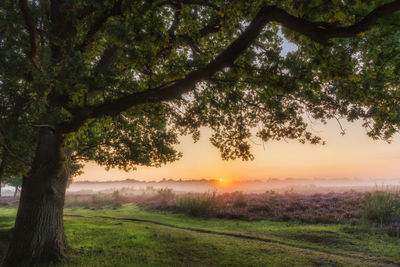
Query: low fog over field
x,y
200,186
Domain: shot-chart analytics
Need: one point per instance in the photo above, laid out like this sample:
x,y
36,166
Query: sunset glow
x,y
351,155
221,180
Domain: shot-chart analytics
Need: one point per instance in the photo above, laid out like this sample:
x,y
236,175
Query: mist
x,y
304,186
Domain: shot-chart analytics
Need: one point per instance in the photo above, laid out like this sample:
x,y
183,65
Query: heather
x,y
9,201
95,201
290,206
377,211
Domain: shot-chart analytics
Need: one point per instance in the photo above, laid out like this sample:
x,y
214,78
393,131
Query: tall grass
x,y
197,204
381,208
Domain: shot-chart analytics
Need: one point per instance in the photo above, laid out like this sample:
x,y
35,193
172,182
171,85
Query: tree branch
x,y
108,58
98,24
189,2
267,14
85,13
50,127
212,27
12,154
106,61
33,36
322,32
175,22
181,86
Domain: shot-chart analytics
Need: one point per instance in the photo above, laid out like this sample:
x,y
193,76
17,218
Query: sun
x,y
221,180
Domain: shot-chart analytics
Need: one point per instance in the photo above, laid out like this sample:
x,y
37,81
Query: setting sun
x,y
221,180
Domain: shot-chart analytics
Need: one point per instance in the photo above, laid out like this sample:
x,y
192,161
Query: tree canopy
x,y
121,79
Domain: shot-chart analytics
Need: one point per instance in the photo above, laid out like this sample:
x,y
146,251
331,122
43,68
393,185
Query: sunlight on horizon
x,y
351,155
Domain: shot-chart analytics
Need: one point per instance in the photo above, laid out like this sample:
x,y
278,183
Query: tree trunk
x,y
16,191
38,235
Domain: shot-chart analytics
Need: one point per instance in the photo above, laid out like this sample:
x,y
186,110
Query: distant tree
x,y
116,81
15,182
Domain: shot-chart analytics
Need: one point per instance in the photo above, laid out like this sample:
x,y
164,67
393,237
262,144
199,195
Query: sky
x,y
353,155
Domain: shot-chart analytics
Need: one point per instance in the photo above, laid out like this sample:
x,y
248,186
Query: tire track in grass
x,y
248,237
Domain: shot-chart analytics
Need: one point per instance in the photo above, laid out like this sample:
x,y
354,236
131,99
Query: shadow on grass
x,y
4,240
321,238
6,223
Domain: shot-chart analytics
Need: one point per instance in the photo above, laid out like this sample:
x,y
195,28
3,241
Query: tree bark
x,y
38,235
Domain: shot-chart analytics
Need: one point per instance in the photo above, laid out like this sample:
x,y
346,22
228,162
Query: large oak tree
x,y
116,81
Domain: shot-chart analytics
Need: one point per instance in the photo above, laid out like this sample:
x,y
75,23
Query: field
x,y
133,236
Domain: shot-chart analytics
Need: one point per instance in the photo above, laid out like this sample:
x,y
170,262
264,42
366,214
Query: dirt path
x,y
249,237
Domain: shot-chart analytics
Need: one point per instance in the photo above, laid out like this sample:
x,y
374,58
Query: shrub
x,y
381,208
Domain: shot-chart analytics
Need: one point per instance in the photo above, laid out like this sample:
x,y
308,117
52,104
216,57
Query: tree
x,y
116,81
16,182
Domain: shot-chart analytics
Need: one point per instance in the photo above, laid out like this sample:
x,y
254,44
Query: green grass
x,y
109,242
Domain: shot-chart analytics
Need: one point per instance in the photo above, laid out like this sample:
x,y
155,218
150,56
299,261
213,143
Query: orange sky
x,y
352,155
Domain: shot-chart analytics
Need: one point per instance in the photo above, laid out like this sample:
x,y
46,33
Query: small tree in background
x,y
15,182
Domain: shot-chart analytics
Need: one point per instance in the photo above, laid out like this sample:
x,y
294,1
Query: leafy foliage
x,y
118,80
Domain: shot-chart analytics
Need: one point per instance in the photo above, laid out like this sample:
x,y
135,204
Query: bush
x,y
381,208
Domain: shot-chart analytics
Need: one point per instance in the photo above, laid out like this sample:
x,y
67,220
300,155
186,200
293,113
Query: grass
x,y
99,241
